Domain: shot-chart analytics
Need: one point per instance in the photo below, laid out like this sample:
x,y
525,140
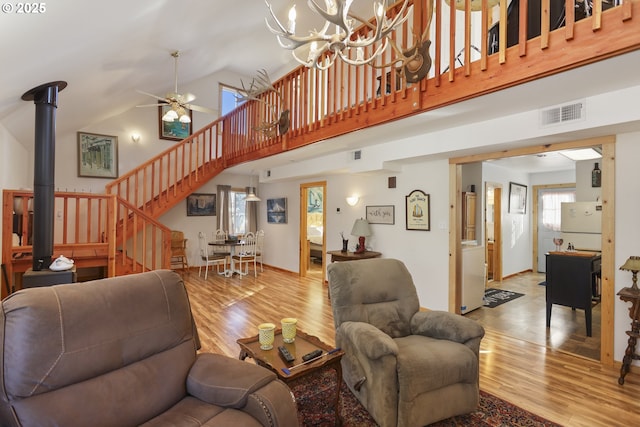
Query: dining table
x,y
231,244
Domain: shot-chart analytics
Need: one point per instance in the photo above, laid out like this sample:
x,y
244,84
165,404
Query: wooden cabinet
x,y
572,281
468,216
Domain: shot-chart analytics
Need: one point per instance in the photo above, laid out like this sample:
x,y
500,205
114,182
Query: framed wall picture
x,y
277,210
201,204
175,130
385,214
517,198
97,155
418,211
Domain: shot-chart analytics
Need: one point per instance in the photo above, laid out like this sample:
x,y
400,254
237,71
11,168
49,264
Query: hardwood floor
x,y
567,389
525,318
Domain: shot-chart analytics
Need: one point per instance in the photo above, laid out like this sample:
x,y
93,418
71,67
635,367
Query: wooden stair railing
x,y
152,189
141,243
161,182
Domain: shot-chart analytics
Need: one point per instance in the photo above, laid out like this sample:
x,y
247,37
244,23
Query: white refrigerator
x,y
581,225
474,273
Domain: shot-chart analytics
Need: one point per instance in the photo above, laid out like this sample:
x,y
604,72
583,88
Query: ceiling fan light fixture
x,y
185,118
169,116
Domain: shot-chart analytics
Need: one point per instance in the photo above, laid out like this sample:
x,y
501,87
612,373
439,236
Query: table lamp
x,y
632,265
361,229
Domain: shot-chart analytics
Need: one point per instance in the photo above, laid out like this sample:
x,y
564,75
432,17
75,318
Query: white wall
x,y
424,252
627,233
14,172
516,228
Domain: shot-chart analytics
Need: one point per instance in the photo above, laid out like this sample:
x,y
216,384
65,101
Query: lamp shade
x,y
632,264
361,228
251,195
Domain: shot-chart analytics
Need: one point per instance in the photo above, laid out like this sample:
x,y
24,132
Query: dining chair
x,y
209,258
247,254
221,236
259,247
179,249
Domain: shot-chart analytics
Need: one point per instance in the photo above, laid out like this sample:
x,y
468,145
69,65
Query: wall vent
x,y
357,155
566,113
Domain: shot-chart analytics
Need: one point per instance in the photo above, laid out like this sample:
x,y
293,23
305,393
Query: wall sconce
x,y
352,200
135,137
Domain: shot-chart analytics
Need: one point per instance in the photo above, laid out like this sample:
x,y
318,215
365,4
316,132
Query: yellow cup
x,y
289,329
266,335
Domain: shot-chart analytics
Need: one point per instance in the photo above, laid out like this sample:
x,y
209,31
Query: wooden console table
x,y
632,296
352,256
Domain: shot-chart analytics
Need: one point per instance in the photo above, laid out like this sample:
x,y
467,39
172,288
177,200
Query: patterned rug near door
x,y
495,297
315,405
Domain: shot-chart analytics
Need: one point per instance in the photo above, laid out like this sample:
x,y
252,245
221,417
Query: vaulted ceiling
x,y
108,50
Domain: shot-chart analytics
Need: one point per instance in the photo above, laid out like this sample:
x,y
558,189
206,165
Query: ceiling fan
x,y
179,103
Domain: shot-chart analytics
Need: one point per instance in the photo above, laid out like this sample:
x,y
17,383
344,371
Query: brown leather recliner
x,y
122,352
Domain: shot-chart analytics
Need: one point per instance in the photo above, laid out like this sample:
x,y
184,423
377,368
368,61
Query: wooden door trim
x,y
304,188
608,230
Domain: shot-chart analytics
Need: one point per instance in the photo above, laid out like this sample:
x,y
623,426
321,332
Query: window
x,y
551,207
228,98
237,212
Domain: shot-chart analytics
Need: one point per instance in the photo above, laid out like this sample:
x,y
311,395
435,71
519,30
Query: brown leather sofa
x,y
122,352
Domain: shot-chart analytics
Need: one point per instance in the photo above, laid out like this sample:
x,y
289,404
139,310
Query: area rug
x,y
315,410
495,297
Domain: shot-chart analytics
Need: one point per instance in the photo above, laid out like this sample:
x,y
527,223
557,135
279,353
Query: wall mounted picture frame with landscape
x,y
201,204
277,210
97,155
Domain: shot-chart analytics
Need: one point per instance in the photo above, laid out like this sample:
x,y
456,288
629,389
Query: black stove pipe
x,y
45,97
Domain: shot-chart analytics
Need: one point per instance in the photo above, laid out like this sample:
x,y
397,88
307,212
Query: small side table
x,y
633,296
352,256
303,377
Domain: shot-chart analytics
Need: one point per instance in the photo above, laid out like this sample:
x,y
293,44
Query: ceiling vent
x,y
566,113
357,155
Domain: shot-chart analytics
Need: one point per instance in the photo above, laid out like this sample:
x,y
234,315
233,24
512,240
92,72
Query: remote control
x,y
312,355
284,353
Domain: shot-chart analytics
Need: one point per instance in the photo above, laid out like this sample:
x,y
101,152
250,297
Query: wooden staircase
x,y
150,190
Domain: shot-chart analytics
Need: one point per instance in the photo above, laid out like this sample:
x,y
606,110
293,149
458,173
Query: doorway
x,y
493,231
607,238
548,223
312,226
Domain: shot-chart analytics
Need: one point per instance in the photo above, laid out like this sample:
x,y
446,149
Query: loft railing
x,y
81,230
85,230
473,53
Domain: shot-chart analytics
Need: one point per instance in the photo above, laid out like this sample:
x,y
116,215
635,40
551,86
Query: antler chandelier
x,y
343,42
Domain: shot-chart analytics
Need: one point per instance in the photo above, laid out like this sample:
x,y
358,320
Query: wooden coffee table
x,y
304,343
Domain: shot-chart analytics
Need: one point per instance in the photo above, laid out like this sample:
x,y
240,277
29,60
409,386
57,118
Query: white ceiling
x,y
108,50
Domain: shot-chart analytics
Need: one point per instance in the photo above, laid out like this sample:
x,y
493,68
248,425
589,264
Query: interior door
x,y
545,235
